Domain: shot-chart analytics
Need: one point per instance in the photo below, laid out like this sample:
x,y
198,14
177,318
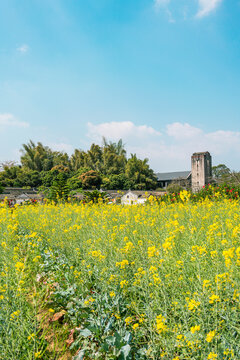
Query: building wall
x,y
164,183
132,199
201,170
129,199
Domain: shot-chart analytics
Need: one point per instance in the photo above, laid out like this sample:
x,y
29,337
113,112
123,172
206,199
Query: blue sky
x,y
163,75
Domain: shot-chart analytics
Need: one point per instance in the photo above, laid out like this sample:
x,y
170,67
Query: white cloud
x,y
173,149
206,7
193,138
182,139
7,120
224,141
23,48
116,130
182,131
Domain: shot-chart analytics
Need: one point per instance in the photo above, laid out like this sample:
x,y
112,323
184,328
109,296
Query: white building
x,y
134,197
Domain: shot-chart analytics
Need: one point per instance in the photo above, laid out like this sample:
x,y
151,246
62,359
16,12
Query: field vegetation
x,y
98,281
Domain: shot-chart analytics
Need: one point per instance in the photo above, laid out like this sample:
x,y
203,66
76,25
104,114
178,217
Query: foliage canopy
x,y
104,166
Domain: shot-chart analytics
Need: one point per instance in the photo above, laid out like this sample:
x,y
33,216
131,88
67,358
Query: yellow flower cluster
x,y
210,336
161,324
192,304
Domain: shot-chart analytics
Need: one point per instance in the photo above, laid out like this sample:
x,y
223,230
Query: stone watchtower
x,y
201,170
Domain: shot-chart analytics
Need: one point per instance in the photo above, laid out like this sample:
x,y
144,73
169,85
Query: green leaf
x,y
127,338
85,332
118,340
110,340
80,355
109,325
125,351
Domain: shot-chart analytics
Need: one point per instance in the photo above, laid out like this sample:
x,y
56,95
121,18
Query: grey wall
x,y
201,170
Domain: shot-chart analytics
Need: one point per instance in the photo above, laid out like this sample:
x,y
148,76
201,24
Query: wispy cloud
x,y
23,48
9,120
206,7
161,3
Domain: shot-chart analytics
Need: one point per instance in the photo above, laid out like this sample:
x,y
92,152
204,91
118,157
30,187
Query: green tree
x,y
139,172
36,157
116,182
61,159
59,190
78,159
95,196
42,158
117,148
114,158
28,178
90,180
75,181
40,167
48,177
20,177
9,177
220,171
93,159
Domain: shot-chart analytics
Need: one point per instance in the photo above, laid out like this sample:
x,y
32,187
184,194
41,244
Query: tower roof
x,y
201,153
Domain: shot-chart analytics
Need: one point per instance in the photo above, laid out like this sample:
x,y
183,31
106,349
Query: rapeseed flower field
x,y
97,281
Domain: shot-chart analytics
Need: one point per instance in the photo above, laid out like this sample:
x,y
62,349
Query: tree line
x,y
105,166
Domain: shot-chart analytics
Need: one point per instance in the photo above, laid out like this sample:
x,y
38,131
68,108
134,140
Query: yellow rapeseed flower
x,y
123,283
213,299
38,355
210,336
212,356
31,337
160,324
135,326
128,320
195,328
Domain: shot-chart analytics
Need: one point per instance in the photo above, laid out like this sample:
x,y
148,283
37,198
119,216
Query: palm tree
x,y
114,157
28,151
36,157
94,158
78,159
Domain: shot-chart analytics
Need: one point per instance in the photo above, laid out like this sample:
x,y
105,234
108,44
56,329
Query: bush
x,y
174,188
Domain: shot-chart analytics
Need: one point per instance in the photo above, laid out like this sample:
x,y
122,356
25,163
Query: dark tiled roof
x,y
22,196
18,191
121,192
34,196
173,175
